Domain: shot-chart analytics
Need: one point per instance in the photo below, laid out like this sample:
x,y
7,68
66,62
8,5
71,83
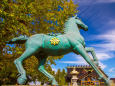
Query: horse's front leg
x,y
18,62
91,49
81,50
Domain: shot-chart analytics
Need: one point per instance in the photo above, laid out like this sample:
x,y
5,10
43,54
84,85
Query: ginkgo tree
x,y
28,17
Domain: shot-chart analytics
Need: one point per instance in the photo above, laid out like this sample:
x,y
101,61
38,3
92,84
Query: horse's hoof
x,y
21,80
54,83
100,77
107,82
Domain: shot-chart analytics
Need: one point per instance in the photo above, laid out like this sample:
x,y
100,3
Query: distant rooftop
x,y
84,66
112,78
80,66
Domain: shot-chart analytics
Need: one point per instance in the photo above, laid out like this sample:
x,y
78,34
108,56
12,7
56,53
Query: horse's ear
x,y
76,16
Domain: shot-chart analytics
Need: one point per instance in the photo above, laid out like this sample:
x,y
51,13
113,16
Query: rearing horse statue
x,y
44,45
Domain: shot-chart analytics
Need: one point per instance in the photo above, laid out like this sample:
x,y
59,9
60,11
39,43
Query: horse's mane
x,y
66,24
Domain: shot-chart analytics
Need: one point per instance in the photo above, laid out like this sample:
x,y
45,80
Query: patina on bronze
x,y
70,41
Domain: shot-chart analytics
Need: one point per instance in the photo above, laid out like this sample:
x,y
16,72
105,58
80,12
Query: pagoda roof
x,y
81,67
112,78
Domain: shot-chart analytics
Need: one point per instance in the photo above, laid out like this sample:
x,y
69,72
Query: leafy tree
x,y
63,74
28,17
60,77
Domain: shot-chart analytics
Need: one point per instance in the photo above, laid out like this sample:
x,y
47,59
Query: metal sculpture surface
x,y
44,45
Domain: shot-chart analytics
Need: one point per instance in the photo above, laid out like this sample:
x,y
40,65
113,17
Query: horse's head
x,y
80,24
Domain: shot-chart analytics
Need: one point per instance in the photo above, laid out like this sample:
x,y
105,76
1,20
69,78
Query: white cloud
x,y
108,39
87,2
54,69
74,62
112,70
103,56
81,61
105,46
103,66
111,22
109,36
105,1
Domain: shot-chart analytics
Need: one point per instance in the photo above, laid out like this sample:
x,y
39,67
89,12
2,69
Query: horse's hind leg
x,y
42,60
81,50
18,62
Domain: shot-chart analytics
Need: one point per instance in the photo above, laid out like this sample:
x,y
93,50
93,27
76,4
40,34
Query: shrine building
x,y
112,81
85,76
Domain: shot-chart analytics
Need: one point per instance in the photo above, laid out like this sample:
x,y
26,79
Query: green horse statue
x,y
44,45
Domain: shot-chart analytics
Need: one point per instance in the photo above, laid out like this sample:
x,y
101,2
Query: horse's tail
x,y
18,40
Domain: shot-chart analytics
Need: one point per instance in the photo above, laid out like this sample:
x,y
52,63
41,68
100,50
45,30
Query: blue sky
x,y
99,16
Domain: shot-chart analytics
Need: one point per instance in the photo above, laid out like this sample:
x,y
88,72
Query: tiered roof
x,y
84,71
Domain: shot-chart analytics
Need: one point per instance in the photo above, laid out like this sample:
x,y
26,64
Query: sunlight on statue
x,y
44,45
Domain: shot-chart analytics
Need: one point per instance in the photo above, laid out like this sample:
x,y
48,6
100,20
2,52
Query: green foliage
x,y
60,77
17,18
